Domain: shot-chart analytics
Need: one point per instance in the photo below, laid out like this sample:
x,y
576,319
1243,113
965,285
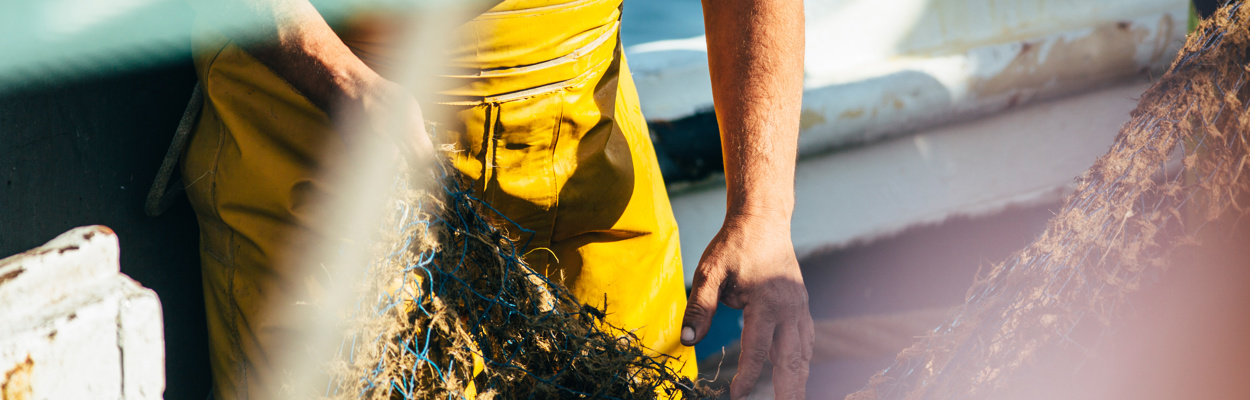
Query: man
x,y
543,116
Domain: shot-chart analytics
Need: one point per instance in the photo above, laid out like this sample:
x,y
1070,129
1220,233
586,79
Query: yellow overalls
x,y
546,120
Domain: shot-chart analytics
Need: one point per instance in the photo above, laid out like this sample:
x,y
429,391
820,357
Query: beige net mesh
x,y
451,311
1132,211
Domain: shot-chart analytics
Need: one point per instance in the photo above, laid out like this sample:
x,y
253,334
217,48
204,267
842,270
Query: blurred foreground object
x,y
1132,213
74,327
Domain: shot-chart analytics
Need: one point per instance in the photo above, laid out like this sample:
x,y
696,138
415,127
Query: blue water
x,y
645,21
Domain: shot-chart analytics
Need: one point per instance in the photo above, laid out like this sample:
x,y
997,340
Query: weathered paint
x,y
809,118
932,91
16,383
881,68
75,327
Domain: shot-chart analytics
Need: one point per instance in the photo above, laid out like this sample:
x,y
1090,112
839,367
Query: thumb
x,y
701,306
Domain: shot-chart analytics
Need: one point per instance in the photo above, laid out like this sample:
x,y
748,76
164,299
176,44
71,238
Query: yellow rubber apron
x,y
545,119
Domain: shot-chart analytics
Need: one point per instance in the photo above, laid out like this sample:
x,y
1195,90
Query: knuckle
x,y
756,354
783,304
701,272
796,362
696,310
706,274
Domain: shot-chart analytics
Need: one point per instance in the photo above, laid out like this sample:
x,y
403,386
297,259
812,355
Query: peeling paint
x,y
1103,54
16,385
95,332
898,104
11,274
851,114
809,118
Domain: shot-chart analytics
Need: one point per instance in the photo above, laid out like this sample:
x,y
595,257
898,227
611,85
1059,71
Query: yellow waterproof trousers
x,y
545,119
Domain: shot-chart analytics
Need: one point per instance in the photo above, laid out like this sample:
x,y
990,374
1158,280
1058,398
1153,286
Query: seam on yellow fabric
x,y
213,60
233,308
488,161
204,26
572,5
554,190
580,52
212,171
536,91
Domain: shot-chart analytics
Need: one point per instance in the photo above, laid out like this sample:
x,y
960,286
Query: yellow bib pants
x,y
545,119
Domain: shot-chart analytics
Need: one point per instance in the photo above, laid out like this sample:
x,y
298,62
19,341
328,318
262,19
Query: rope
x,y
162,194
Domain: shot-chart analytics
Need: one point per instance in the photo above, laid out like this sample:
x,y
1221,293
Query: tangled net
x,y
1130,212
451,311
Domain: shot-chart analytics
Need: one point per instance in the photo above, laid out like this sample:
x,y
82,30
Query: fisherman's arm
x,y
755,53
292,39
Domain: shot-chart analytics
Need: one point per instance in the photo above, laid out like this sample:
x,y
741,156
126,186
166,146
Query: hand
x,y
385,108
751,265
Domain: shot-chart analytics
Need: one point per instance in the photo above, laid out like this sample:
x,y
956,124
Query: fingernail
x,y
687,334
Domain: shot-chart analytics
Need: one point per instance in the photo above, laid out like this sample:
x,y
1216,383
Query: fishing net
x,y
1132,211
450,310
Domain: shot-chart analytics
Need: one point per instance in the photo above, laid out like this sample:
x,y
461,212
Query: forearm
x,y
755,54
291,38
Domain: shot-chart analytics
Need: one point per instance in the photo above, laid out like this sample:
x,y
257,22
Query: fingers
x,y
701,306
791,355
389,111
410,135
757,341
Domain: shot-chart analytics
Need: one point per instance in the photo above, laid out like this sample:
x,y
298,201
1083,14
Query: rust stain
x,y
851,114
11,274
1094,59
97,229
809,118
16,385
66,248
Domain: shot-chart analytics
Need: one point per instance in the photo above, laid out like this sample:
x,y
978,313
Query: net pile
x,y
451,311
1129,213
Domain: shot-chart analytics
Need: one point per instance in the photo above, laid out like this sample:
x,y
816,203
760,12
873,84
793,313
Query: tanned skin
x,y
755,51
292,39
